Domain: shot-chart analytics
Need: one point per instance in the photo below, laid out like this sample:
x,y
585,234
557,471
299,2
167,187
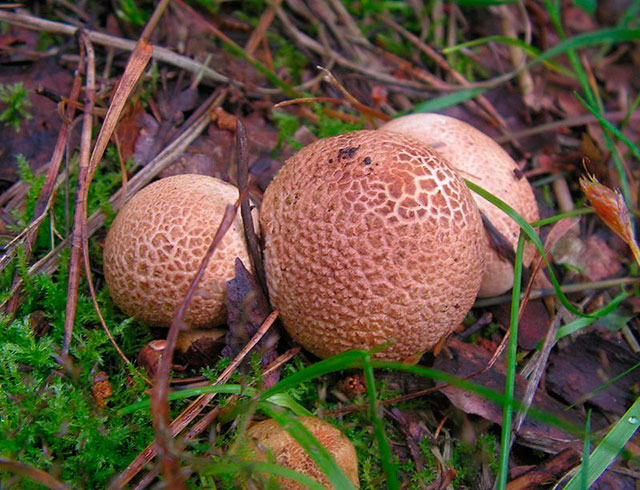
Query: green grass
x,y
15,104
51,421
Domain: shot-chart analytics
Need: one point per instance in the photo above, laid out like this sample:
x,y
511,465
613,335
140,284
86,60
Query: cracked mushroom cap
x,y
157,242
371,237
271,436
483,161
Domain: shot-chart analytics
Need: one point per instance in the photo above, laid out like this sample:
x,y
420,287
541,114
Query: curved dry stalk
x,y
80,208
161,54
35,474
160,391
45,199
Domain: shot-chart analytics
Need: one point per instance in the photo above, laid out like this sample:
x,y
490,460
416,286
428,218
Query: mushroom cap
x,y
371,237
485,163
272,436
157,242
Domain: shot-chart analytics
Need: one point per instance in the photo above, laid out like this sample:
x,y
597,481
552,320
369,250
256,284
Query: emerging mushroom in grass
x,y
481,160
371,238
157,242
269,437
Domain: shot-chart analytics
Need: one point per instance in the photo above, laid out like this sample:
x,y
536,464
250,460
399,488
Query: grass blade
x,y
510,379
375,413
510,41
227,467
311,445
608,449
531,235
448,100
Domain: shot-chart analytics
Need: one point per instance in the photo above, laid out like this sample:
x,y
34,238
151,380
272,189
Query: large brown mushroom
x,y
370,237
268,435
157,242
481,160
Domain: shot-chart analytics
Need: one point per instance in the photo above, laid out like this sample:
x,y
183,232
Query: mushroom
x,y
157,242
481,160
270,436
370,237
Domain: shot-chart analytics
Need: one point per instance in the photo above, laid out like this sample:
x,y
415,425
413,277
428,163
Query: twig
x,y
263,24
45,198
442,63
568,288
313,45
193,410
536,376
161,54
245,208
160,390
35,474
566,123
80,207
366,110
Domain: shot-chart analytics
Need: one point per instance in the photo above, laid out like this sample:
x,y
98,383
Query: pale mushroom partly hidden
x,y
482,161
269,436
157,242
371,238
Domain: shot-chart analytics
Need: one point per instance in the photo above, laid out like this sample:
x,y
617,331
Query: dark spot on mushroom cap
x,y
347,152
367,160
371,255
517,173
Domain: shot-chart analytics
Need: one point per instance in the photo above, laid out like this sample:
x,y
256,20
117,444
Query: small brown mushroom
x,y
157,242
481,160
268,435
371,237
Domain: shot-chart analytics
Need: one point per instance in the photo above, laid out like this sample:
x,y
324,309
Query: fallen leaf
x,y
466,359
247,308
588,363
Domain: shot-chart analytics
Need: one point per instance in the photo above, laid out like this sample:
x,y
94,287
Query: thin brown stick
x,y
536,376
80,207
160,391
159,53
363,108
566,123
35,474
212,415
263,24
194,409
307,42
45,198
442,63
242,155
568,288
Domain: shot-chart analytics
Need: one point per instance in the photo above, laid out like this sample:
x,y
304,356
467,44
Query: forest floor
x,y
98,99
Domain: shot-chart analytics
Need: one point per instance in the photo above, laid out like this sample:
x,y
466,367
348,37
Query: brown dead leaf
x,y
466,359
588,363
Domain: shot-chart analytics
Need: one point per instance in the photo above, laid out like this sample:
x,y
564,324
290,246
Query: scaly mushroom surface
x,y
157,242
269,435
370,237
484,162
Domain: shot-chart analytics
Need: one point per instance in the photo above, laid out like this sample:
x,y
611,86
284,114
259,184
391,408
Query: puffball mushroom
x,y
269,435
157,242
482,161
370,237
